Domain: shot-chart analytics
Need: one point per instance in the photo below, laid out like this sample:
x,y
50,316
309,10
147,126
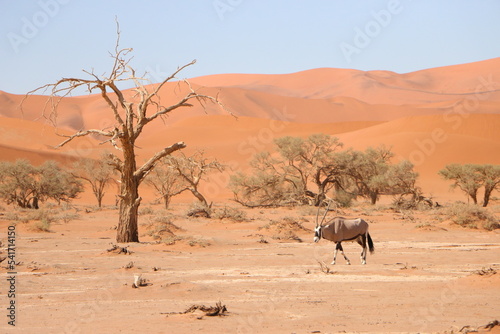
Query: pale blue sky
x,y
44,40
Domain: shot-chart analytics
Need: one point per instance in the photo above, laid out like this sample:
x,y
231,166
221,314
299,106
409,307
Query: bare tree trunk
x,y
129,199
487,194
199,196
166,200
474,197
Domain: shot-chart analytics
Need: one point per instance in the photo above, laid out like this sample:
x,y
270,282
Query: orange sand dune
x,y
315,96
35,157
36,142
376,87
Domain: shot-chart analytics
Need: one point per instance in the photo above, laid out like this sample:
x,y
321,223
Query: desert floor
x,y
426,275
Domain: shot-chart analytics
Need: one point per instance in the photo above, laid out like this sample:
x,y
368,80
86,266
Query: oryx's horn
x,y
326,212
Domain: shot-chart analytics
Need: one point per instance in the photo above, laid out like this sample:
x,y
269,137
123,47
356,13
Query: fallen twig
x,y
119,250
211,311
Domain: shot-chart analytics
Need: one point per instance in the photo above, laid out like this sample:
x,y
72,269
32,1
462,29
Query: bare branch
x,y
83,134
116,162
144,169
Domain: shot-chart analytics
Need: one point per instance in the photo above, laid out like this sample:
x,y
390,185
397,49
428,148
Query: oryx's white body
x,y
340,229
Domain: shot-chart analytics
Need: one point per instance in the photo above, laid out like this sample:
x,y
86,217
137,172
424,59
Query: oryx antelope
x,y
340,229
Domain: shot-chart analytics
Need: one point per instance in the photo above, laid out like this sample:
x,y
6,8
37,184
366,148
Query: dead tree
x,y
131,114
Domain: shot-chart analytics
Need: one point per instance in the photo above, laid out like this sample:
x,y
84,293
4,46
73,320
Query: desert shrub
x,y
147,210
163,230
231,213
414,201
285,229
199,242
44,224
66,217
198,209
12,216
171,240
467,215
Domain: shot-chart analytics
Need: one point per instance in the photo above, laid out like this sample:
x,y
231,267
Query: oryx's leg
x,y
362,241
339,247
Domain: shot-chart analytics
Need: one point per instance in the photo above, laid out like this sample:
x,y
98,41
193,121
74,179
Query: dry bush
x,y
199,242
285,229
469,215
42,225
485,272
231,213
66,217
15,217
198,209
146,211
163,230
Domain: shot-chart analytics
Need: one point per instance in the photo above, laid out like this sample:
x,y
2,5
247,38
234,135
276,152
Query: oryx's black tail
x,y
370,243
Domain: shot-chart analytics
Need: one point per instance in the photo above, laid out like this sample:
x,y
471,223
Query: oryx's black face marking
x,y
317,233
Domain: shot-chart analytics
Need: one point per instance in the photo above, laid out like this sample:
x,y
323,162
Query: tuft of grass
x,y
66,217
42,225
14,216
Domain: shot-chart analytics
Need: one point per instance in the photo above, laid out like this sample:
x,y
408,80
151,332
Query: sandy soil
x,y
422,277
